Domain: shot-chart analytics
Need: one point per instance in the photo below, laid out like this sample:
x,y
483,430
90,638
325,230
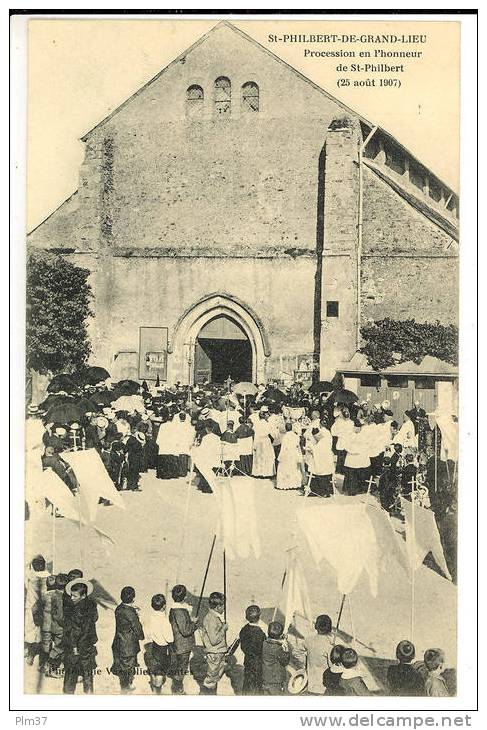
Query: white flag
x,y
238,520
294,604
52,487
422,537
93,479
352,538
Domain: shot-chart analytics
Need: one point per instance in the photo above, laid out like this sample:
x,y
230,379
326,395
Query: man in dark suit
x,y
252,637
183,631
126,643
80,637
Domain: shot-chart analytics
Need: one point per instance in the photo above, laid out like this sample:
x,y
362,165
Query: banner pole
x,y
436,465
185,519
280,593
339,618
53,538
351,621
80,531
205,576
224,586
413,554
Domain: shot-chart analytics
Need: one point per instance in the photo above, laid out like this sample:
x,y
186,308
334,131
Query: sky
x,y
80,70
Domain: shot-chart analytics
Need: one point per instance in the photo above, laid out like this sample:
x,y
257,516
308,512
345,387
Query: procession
x,y
242,368
339,458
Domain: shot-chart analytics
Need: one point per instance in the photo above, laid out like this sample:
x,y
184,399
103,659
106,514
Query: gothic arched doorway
x,y
222,350
193,320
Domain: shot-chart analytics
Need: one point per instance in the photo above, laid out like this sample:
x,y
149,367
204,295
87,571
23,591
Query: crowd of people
x,y
61,631
303,441
312,442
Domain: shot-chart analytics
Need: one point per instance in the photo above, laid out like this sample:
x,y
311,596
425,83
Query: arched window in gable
x,y
250,97
195,99
223,95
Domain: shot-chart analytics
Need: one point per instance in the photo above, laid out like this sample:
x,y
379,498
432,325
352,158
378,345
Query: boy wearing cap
x,y
183,631
80,637
402,678
214,635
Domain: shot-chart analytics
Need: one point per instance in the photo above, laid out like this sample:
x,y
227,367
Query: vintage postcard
x,y
242,371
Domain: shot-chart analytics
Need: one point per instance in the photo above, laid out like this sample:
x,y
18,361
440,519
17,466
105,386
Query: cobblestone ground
x,y
151,553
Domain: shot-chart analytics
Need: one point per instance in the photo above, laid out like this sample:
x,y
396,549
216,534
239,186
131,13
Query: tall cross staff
x,y
412,483
369,483
190,345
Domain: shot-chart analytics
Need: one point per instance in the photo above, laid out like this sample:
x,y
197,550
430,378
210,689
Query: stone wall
x,y
409,264
230,181
263,206
339,274
134,292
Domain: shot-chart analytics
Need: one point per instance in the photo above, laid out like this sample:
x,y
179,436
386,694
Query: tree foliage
x,y
58,307
388,341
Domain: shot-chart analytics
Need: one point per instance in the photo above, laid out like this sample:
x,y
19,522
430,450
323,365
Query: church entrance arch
x,y
217,337
222,350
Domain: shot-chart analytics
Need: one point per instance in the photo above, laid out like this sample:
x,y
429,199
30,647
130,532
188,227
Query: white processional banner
x,y
353,537
422,536
93,479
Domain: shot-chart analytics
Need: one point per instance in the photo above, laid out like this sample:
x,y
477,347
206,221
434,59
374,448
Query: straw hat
x,y
297,681
89,586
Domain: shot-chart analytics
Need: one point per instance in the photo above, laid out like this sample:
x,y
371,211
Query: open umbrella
x,y
274,394
62,382
321,386
63,413
127,387
129,403
93,375
55,399
104,397
86,405
245,389
344,396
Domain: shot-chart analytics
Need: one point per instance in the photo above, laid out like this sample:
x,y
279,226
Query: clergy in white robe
x,y
357,461
340,430
290,470
168,458
406,435
264,464
184,438
310,439
206,459
322,464
245,435
375,437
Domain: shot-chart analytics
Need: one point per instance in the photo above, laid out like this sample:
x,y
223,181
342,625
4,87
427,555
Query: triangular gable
x,y
196,45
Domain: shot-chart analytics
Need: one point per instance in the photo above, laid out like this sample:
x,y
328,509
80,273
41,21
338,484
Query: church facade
x,y
238,220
